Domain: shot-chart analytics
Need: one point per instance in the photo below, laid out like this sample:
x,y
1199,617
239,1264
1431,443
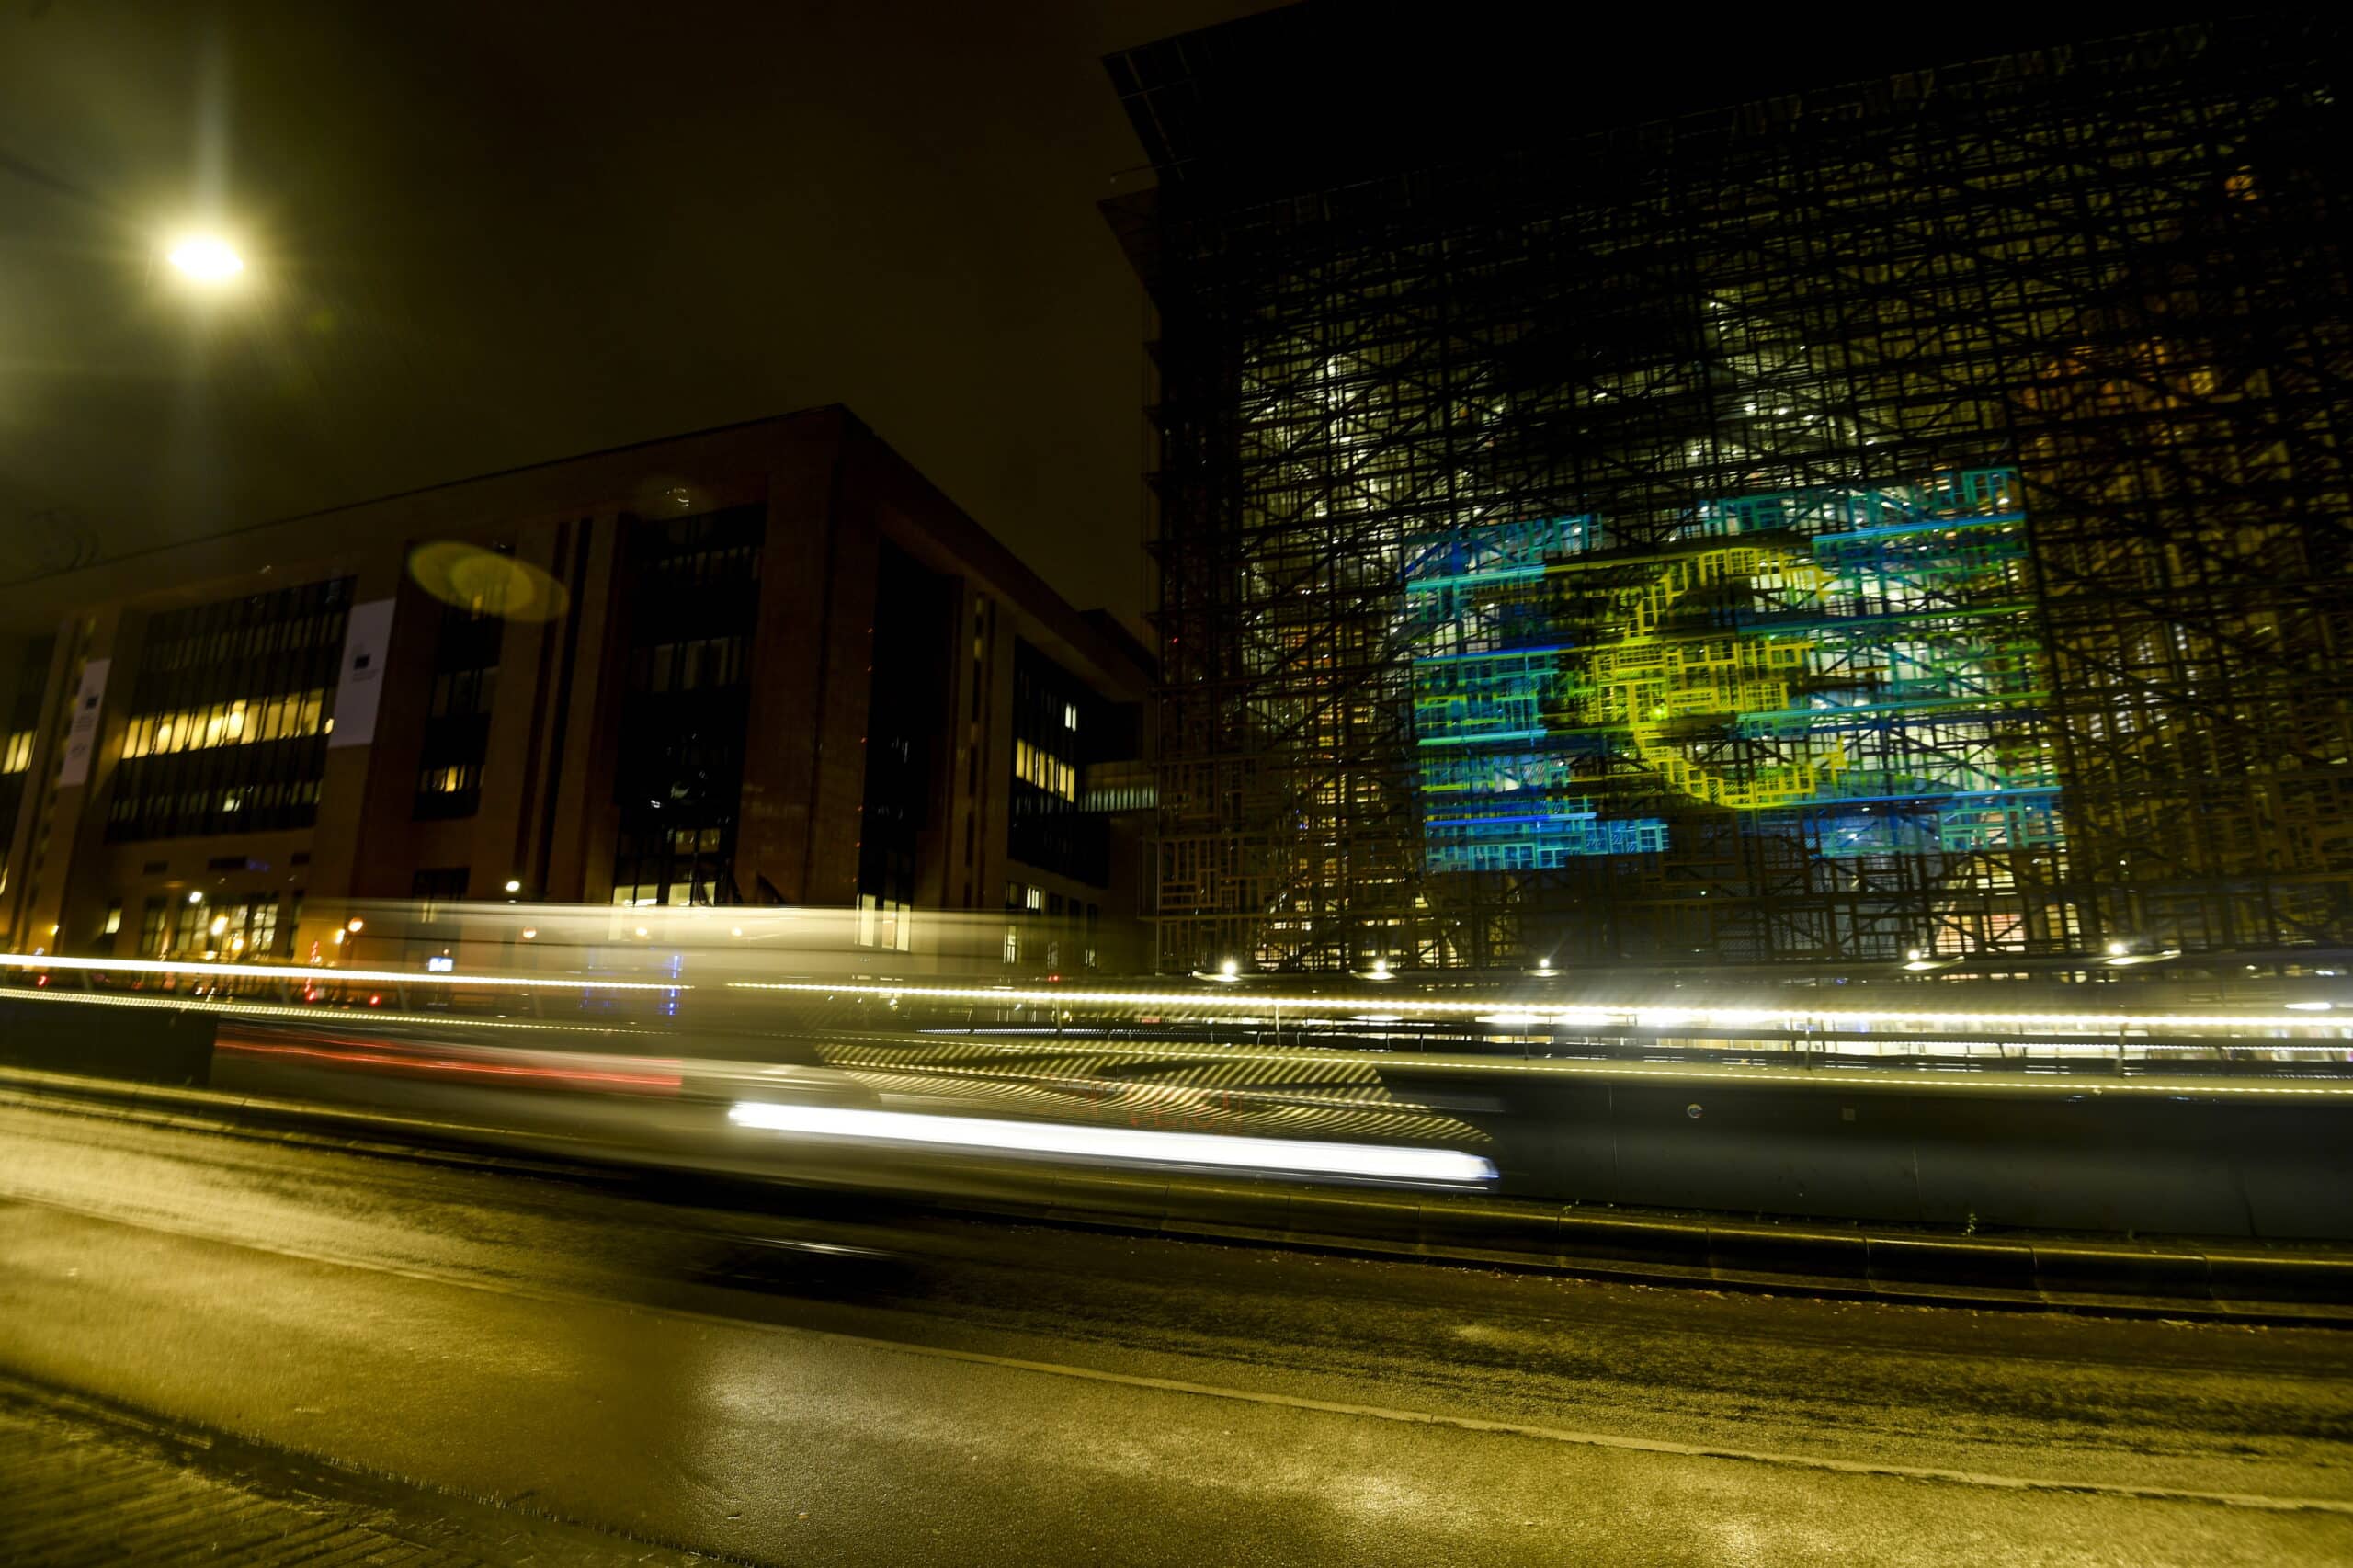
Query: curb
x,y
2235,1281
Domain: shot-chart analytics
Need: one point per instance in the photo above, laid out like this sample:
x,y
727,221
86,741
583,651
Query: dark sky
x,y
489,234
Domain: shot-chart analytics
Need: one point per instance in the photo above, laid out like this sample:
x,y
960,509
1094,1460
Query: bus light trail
x,y
1287,1155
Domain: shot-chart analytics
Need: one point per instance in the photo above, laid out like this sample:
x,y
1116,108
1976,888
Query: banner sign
x,y
82,734
358,689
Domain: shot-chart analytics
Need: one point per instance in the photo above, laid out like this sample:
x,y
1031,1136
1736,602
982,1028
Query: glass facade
x,y
457,725
228,719
19,721
908,696
693,601
1056,723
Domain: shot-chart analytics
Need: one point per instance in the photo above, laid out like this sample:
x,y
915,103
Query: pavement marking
x,y
1396,1414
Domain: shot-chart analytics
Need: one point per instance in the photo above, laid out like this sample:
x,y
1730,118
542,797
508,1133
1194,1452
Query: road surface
x,y
779,1387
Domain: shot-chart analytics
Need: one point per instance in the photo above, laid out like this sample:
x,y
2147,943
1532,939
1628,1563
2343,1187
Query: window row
x,y
464,691
1036,765
243,645
16,754
457,778
159,809
680,894
690,666
241,722
173,928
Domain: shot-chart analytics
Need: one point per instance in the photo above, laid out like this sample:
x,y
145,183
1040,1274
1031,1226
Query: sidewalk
x,y
81,1483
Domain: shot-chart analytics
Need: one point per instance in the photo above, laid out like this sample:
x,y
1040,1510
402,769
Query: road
x,y
788,1388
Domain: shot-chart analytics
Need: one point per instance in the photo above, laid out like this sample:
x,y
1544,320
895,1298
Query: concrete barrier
x,y
140,1045
2267,1159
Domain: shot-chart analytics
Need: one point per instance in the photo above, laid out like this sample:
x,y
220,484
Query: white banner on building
x,y
367,635
82,734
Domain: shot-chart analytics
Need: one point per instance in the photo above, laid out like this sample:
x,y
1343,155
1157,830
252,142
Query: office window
x,y
113,922
1051,730
466,652
692,602
438,885
228,716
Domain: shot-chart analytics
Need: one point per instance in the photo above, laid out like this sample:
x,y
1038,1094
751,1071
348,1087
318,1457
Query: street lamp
x,y
207,258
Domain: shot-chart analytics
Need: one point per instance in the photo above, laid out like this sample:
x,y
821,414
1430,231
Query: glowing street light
x,y
207,258
514,885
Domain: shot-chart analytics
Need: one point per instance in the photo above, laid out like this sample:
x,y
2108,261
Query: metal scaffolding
x,y
1913,516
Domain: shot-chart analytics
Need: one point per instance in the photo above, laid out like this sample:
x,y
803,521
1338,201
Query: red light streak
x,y
362,1058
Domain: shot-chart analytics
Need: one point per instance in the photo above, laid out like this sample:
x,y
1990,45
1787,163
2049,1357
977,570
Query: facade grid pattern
x,y
1908,517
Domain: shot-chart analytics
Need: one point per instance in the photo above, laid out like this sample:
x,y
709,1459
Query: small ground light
x,y
530,932
354,923
1228,968
2116,949
196,896
513,886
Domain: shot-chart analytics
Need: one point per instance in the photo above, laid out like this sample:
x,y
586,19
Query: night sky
x,y
489,236
485,235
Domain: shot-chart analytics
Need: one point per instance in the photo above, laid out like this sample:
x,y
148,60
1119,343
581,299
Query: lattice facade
x,y
1915,516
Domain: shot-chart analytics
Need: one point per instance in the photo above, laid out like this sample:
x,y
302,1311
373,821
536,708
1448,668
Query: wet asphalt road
x,y
956,1391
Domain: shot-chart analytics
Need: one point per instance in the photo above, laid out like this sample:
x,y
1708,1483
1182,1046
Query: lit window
x,y
1035,898
1070,715
241,722
16,756
114,919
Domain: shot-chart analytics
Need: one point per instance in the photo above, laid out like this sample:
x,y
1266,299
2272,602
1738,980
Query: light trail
x,y
402,1060
371,976
1633,1016
315,1013
1288,1155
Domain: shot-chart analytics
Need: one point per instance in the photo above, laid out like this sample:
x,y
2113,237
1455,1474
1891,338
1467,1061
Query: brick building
x,y
766,664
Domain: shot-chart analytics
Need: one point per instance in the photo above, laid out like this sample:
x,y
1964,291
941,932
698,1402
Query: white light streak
x,y
1288,1154
325,1016
1587,1016
289,972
